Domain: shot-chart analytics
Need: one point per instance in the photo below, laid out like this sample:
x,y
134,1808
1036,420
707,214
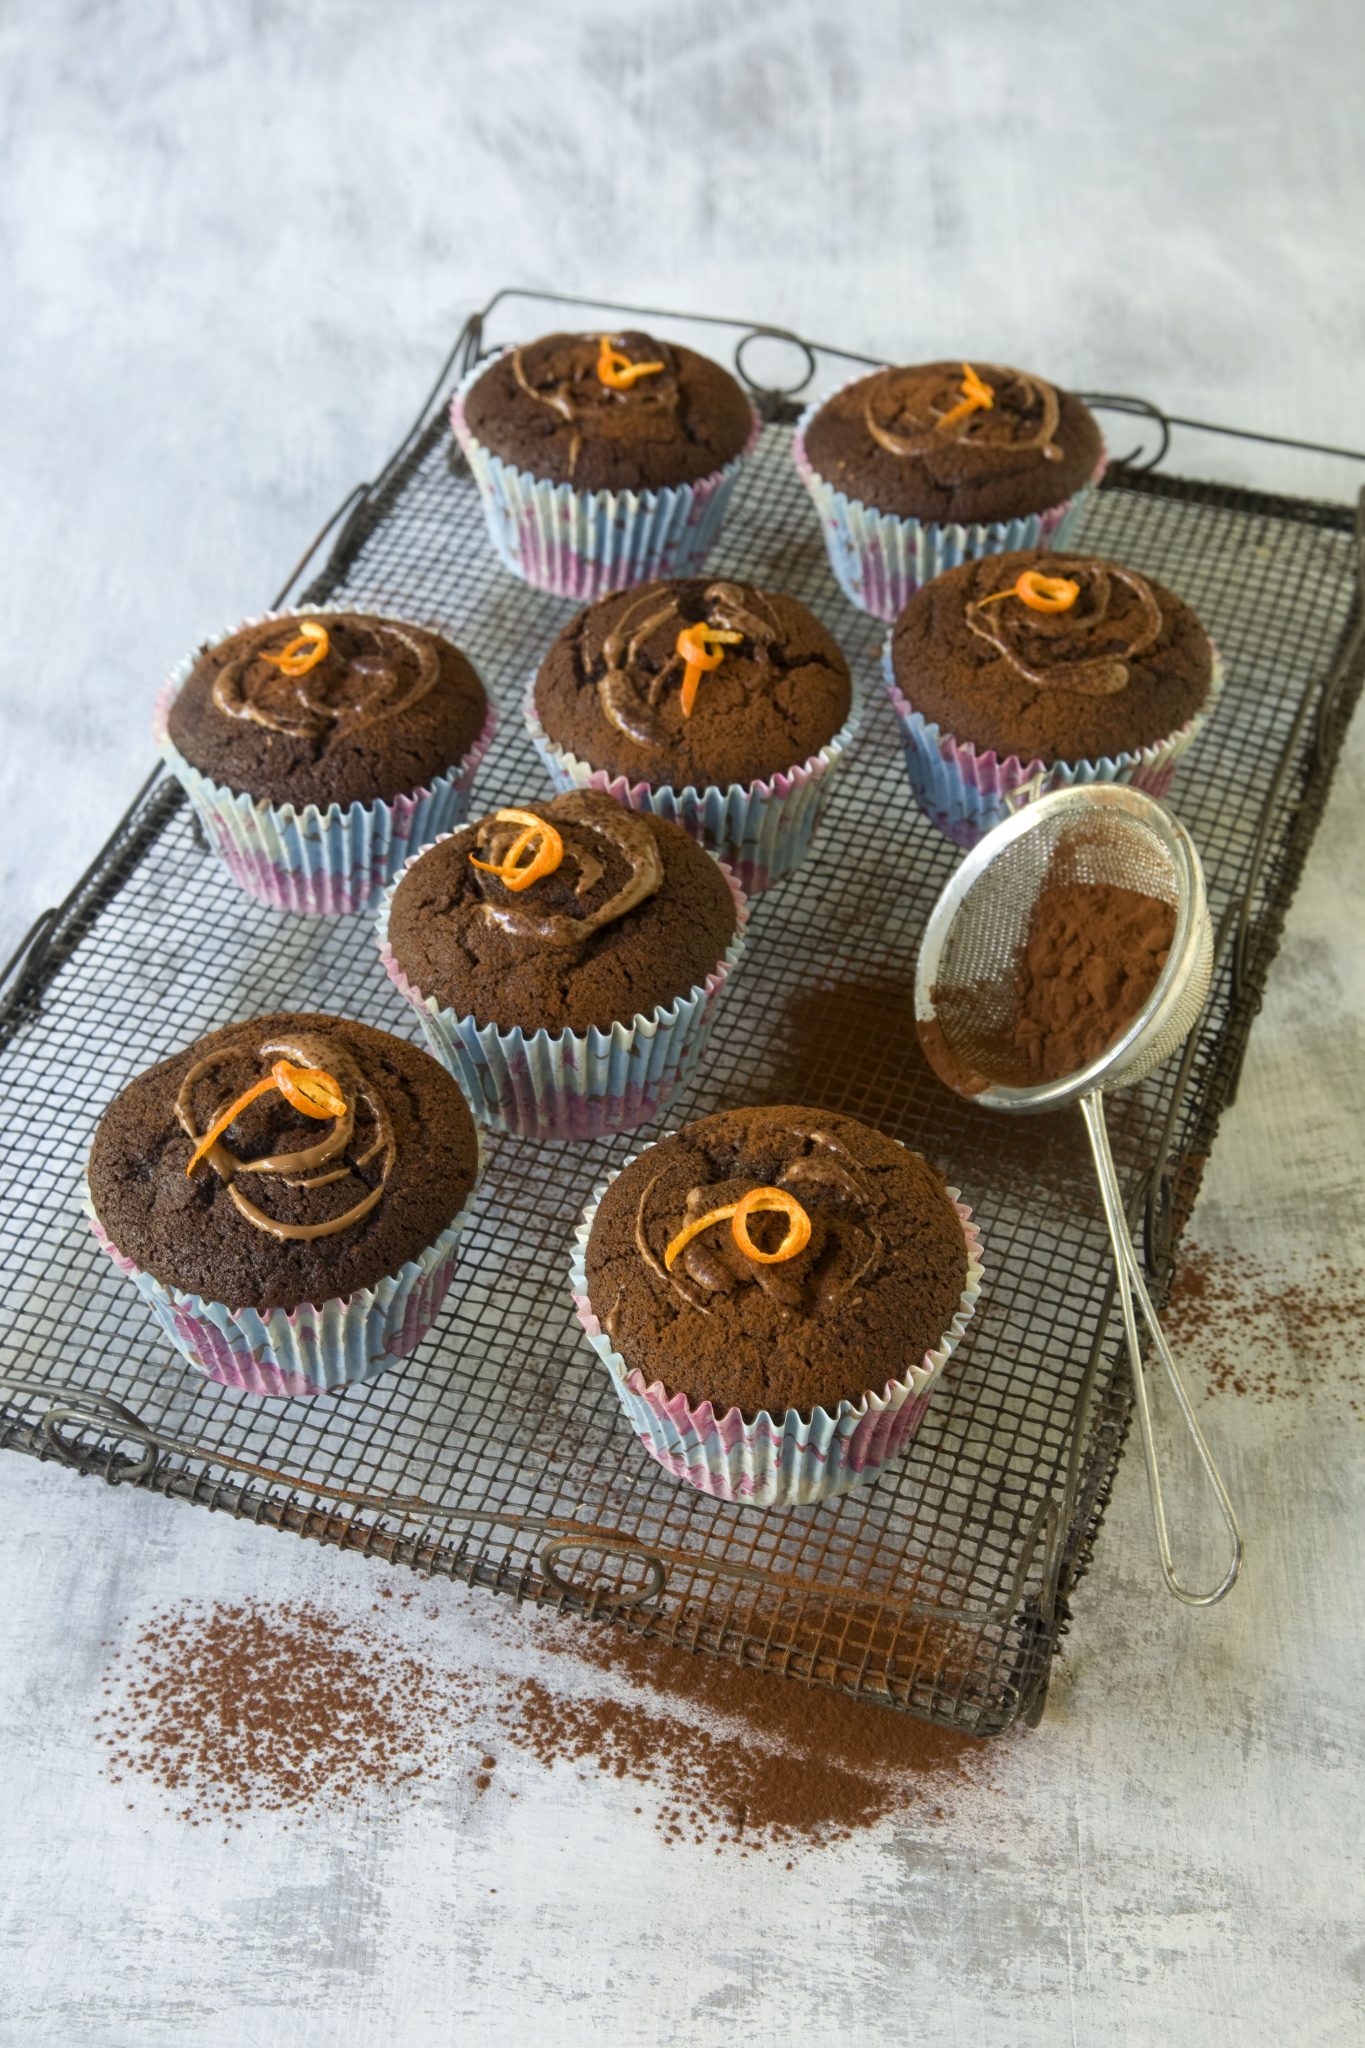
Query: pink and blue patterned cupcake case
x,y
312,1349
762,830
320,863
581,544
570,1084
966,794
880,560
784,1461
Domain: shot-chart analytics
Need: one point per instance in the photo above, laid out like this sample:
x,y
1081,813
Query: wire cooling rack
x,y
498,1453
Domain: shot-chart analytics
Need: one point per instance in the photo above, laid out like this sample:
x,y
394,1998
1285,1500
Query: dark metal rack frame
x,y
864,1595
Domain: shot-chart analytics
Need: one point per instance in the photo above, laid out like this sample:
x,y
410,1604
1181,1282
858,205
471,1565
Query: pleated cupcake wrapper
x,y
881,560
319,862
784,1461
581,544
571,1084
762,830
312,1349
966,793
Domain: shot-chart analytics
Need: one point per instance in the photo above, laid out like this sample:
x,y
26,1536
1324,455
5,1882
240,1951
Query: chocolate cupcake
x,y
286,1195
775,1292
318,748
708,701
915,470
564,960
1032,671
602,459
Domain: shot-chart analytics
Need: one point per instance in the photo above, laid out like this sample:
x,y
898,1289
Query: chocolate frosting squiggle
x,y
565,395
301,1169
624,832
248,688
725,606
703,1268
1099,675
927,395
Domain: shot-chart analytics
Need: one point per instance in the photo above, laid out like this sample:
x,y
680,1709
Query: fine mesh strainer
x,y
965,1002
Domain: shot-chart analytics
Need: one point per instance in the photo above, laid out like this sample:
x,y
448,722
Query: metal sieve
x,y
964,1005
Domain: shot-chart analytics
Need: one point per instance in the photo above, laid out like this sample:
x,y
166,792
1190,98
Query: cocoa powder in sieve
x,y
1087,964
1090,960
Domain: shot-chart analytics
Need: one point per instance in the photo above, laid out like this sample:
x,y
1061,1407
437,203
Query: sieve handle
x,y
1131,1284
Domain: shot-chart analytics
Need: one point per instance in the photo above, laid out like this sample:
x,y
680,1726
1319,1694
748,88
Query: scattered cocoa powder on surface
x,y
226,1711
1268,1331
234,1709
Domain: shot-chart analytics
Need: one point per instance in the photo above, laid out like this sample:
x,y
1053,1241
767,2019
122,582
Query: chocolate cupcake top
x,y
622,687
609,412
1051,657
348,1154
874,1285
954,441
328,707
561,915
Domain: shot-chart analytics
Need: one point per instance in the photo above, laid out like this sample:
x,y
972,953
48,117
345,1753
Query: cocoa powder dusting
x,y
233,1710
1267,1332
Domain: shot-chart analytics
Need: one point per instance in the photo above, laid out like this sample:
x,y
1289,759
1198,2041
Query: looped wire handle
x,y
1131,1285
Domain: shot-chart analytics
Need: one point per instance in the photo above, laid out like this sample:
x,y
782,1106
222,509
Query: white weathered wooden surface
x,y
233,242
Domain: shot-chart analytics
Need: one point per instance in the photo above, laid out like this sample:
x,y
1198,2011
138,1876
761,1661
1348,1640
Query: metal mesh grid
x,y
941,1588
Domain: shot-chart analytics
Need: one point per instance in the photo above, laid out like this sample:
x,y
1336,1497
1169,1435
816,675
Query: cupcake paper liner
x,y
762,830
321,863
312,1349
881,560
966,793
571,1084
581,544
784,1461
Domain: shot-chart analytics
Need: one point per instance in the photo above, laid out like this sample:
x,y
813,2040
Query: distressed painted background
x,y
233,241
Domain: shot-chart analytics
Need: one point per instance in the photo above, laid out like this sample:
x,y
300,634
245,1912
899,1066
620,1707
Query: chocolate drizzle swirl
x,y
341,1152
575,393
623,836
630,691
343,693
845,1250
1115,618
903,410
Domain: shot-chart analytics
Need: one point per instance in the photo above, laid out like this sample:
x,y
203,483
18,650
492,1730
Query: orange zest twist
x,y
616,369
758,1201
701,648
1040,593
546,858
305,651
977,396
304,1088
